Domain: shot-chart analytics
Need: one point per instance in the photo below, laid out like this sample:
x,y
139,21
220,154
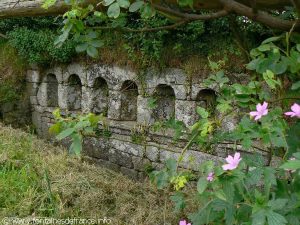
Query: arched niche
x,y
100,96
52,90
74,93
165,102
206,98
129,94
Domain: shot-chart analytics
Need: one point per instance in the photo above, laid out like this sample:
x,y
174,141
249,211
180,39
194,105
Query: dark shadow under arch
x,y
74,93
129,95
165,102
206,98
100,95
52,90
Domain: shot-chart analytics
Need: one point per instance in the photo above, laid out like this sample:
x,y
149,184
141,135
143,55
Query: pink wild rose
x,y
261,110
295,111
210,177
183,222
233,162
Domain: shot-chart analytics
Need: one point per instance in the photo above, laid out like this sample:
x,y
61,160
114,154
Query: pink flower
x,y
295,111
261,111
233,162
210,177
183,222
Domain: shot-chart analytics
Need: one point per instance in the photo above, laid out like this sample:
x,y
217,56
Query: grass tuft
x,y
38,179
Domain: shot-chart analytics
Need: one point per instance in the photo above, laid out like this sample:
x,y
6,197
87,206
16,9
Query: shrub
x,y
38,46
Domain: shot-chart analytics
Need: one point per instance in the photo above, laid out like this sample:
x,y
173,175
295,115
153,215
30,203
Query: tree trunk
x,y
19,8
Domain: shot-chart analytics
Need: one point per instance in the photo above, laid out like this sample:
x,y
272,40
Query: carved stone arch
x,y
100,94
164,97
206,98
74,92
129,94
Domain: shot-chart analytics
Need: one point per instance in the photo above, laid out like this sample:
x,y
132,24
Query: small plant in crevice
x,y
74,127
105,132
139,133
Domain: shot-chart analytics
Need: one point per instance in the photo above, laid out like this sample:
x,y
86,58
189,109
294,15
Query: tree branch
x,y
127,29
189,16
3,36
259,16
296,4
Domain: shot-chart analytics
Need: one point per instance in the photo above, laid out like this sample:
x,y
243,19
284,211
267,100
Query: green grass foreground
x,y
39,180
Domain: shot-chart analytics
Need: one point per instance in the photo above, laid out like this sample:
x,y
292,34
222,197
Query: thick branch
x,y
19,8
260,16
189,16
296,4
3,36
14,8
127,29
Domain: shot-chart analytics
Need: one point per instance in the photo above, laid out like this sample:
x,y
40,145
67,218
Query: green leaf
x,y
254,176
291,165
55,128
275,218
76,146
147,11
48,3
107,2
202,185
184,3
123,3
98,14
82,47
296,85
92,51
259,218
65,133
202,112
264,47
221,195
96,43
136,6
171,164
253,64
92,34
114,10
178,199
271,39
277,204
81,125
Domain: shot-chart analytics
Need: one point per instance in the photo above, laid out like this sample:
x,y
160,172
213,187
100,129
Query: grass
x,y
38,179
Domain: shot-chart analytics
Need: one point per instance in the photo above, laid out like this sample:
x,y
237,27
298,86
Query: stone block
x,y
120,158
140,163
152,153
42,94
127,147
33,76
165,155
63,96
114,109
144,113
130,173
180,92
185,111
33,100
96,148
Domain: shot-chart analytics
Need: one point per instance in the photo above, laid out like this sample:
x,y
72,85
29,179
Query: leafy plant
x,y
247,190
74,127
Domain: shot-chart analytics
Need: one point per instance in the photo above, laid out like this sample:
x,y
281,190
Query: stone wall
x,y
124,98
